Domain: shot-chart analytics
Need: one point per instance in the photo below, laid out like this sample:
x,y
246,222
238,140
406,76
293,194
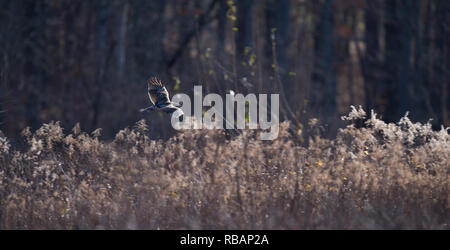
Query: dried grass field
x,y
376,176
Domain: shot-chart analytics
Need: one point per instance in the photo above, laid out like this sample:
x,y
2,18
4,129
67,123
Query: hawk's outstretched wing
x,y
159,96
157,92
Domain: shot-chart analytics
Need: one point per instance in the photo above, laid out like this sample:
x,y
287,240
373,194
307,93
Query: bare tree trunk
x,y
148,32
35,73
222,18
282,39
277,22
3,69
244,33
446,64
423,70
371,60
161,31
323,89
419,55
101,53
441,65
122,41
397,60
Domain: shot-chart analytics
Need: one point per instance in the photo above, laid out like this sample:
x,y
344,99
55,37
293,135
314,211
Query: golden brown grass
x,y
381,176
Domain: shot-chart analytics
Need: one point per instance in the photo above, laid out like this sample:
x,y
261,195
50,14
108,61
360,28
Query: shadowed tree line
x,y
88,61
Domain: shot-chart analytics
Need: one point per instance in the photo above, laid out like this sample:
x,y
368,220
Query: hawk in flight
x,y
159,96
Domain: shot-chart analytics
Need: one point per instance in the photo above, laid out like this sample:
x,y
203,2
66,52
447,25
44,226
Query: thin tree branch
x,y
203,19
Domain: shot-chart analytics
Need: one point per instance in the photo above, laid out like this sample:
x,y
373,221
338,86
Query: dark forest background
x,y
88,61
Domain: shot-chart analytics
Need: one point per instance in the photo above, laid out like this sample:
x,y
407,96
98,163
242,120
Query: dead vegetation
x,y
379,176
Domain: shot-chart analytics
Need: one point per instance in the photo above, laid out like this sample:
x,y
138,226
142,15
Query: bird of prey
x,y
159,96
